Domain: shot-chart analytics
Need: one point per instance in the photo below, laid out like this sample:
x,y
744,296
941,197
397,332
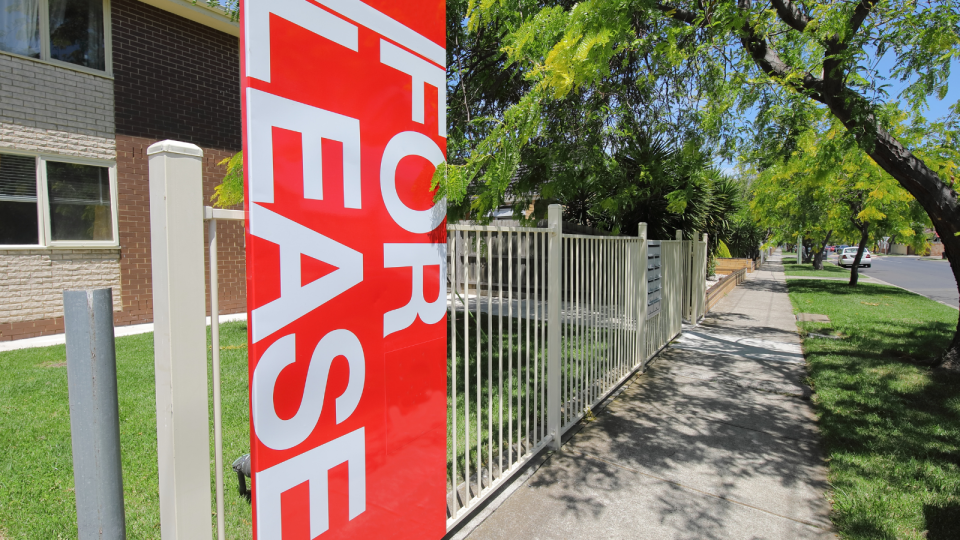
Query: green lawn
x,y
890,423
36,484
829,270
36,471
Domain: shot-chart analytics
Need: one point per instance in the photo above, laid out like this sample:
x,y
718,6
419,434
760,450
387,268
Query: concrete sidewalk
x,y
716,440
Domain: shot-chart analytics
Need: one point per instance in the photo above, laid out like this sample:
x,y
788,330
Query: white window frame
x,y
45,43
44,234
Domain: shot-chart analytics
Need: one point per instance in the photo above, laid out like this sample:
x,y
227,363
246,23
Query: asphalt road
x,y
931,278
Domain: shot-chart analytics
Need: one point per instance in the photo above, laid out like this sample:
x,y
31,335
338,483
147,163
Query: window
x,y
70,31
50,202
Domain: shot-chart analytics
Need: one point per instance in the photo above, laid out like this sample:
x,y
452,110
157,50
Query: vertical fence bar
x,y
526,394
490,356
538,393
453,268
466,364
510,344
541,318
500,346
640,260
594,339
215,349
555,217
479,324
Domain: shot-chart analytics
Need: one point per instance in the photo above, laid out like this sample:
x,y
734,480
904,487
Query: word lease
x,y
344,123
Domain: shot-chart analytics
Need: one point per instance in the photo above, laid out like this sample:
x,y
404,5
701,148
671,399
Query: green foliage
x,y
230,191
640,68
828,185
723,251
745,236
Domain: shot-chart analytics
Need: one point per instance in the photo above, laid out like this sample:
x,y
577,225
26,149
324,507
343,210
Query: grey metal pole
x,y
94,414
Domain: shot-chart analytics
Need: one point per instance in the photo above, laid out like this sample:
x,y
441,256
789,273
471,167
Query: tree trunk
x,y
854,270
951,248
807,248
818,257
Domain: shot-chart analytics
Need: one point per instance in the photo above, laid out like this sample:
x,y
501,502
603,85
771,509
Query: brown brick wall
x,y
174,78
134,220
29,329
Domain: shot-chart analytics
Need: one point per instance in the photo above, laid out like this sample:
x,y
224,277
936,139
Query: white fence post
x,y
180,343
684,270
702,283
642,291
555,222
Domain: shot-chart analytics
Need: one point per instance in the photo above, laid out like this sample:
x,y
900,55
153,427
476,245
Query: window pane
x,y
18,200
20,27
76,32
79,202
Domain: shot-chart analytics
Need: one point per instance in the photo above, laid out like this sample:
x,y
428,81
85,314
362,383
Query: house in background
x,y
86,86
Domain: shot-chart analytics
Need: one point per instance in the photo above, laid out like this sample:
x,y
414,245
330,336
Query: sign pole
x,y
94,413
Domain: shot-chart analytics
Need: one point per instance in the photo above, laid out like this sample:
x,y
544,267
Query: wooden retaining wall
x,y
724,286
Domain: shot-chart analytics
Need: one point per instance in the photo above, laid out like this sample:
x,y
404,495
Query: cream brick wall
x,y
32,281
56,142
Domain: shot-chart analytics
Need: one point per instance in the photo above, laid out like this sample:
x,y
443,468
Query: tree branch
x,y
791,14
679,14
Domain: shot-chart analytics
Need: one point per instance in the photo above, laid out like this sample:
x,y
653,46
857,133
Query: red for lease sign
x,y
344,124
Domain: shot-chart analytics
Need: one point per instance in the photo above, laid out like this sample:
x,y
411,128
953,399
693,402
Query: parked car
x,y
848,255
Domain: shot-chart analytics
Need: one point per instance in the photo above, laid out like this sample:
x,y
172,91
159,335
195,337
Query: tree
x,y
743,57
826,186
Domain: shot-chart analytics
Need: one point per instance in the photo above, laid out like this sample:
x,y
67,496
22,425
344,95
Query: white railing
x,y
543,327
512,395
497,291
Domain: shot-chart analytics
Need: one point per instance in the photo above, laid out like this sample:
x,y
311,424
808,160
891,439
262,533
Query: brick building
x,y
86,86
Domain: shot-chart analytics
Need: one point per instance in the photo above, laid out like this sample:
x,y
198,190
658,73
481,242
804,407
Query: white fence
x,y
543,327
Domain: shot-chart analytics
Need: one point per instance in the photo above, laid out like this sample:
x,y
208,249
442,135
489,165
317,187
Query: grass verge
x,y
829,270
890,423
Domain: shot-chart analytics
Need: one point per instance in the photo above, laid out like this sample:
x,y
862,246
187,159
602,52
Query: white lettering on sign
x,y
299,12
281,434
416,256
297,300
369,17
410,143
312,466
267,111
423,73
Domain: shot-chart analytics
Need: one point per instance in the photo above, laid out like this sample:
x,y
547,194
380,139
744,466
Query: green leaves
x,y
230,191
